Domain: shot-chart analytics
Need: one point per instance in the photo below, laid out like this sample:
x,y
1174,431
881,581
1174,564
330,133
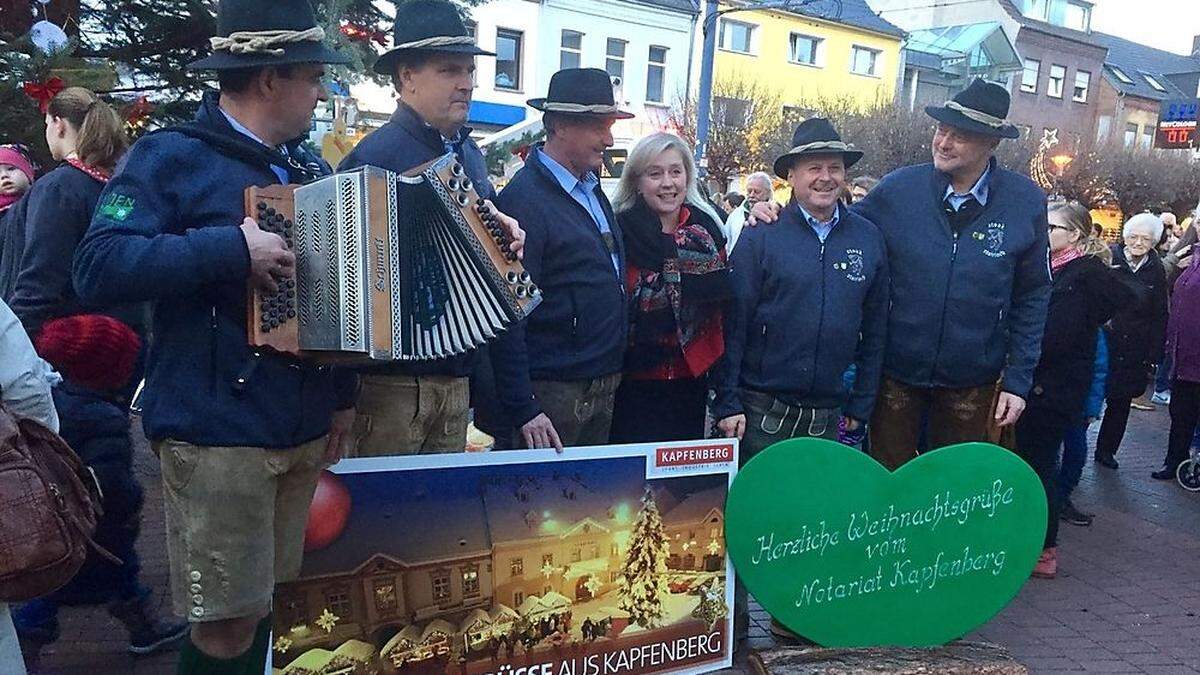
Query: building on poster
x,y
443,567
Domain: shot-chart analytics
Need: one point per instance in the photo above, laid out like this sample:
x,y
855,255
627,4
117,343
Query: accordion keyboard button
x,y
512,277
465,184
524,277
456,169
534,290
520,291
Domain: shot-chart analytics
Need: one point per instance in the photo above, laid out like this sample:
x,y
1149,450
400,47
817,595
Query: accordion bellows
x,y
388,267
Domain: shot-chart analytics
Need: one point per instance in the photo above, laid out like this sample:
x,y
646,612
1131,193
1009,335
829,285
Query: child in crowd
x,y
16,176
96,355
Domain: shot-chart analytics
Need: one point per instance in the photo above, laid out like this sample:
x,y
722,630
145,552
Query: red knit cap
x,y
96,351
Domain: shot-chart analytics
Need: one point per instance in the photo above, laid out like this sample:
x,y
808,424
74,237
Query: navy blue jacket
x,y
580,329
803,311
12,245
967,306
166,231
401,145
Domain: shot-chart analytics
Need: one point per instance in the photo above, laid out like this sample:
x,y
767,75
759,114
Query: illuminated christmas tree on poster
x,y
642,582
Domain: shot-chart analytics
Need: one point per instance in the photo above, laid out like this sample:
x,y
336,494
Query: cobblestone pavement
x,y
1127,599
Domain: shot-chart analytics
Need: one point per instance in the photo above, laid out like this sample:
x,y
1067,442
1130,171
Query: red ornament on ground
x,y
328,513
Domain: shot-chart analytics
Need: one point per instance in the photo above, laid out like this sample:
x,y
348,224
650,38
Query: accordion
x,y
389,267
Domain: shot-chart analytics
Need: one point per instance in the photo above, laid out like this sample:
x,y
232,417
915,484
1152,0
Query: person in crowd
x,y
732,202
563,364
16,176
1183,343
411,408
1075,440
810,298
786,313
1135,334
88,137
677,281
25,388
759,188
716,202
970,283
96,356
242,434
1170,236
1085,295
861,187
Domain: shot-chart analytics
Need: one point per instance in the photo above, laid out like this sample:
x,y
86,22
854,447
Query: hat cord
x,y
265,41
977,115
437,41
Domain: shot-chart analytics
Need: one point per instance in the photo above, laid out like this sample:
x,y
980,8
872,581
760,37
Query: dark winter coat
x,y
12,245
401,145
1137,331
968,306
580,329
803,311
1086,294
1183,338
167,231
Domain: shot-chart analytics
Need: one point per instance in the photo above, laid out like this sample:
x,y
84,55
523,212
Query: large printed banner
x,y
600,561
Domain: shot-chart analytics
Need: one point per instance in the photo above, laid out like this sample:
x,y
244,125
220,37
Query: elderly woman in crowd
x,y
1183,343
1085,295
1135,334
678,283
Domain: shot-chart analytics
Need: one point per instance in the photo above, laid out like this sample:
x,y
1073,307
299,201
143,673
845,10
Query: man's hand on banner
x,y
733,426
539,432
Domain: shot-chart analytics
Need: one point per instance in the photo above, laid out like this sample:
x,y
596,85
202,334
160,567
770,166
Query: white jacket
x,y
25,379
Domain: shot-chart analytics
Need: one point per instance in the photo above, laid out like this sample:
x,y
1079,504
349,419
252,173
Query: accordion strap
x,y
253,153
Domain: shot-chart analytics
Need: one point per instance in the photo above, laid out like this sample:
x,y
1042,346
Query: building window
x,y
577,554
1029,78
1120,74
441,584
294,610
337,599
518,598
1078,15
614,59
1155,84
570,54
863,61
385,596
1083,80
656,74
1055,86
1131,130
470,580
732,112
516,567
1103,127
1147,137
736,36
508,59
804,49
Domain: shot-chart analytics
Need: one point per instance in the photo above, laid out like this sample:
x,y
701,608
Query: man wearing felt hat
x,y
810,298
968,251
242,434
564,363
411,408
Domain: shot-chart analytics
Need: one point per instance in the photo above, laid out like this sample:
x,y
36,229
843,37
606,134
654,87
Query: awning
x,y
970,49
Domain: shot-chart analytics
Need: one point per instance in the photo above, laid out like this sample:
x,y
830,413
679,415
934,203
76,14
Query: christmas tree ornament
x,y
48,38
44,92
328,513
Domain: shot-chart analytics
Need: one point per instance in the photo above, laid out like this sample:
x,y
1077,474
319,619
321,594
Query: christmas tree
x,y
643,584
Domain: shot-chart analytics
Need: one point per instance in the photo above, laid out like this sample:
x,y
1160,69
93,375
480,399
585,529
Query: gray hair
x,y
1145,222
761,176
635,165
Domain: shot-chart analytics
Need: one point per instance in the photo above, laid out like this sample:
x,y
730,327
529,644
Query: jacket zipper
x,y
945,301
212,343
820,321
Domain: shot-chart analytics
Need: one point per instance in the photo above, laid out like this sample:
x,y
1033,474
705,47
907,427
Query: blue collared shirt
x,y
583,191
821,228
241,129
979,191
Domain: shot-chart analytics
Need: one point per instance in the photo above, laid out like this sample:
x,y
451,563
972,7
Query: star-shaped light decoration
x,y
687,545
282,644
328,620
547,570
592,585
1049,138
713,547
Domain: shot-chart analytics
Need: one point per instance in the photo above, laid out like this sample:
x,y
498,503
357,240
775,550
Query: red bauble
x,y
328,513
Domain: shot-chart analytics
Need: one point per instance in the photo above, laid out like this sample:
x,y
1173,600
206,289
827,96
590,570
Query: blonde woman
x,y
1086,293
678,283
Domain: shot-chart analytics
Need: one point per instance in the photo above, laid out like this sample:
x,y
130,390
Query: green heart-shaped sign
x,y
848,554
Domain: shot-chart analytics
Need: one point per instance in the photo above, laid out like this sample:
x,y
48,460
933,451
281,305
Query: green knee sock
x,y
253,661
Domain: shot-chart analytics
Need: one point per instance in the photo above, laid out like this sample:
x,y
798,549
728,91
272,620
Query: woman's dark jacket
x,y
1137,332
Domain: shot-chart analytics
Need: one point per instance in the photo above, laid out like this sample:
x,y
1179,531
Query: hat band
x,y
597,108
265,41
437,41
836,146
978,116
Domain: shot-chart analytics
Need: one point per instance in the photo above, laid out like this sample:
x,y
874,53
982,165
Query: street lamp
x,y
708,29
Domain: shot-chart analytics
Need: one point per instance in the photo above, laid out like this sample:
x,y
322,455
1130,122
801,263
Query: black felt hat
x,y
251,33
980,108
581,91
428,25
816,136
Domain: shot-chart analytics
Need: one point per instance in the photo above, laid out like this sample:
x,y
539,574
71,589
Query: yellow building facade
x,y
805,58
